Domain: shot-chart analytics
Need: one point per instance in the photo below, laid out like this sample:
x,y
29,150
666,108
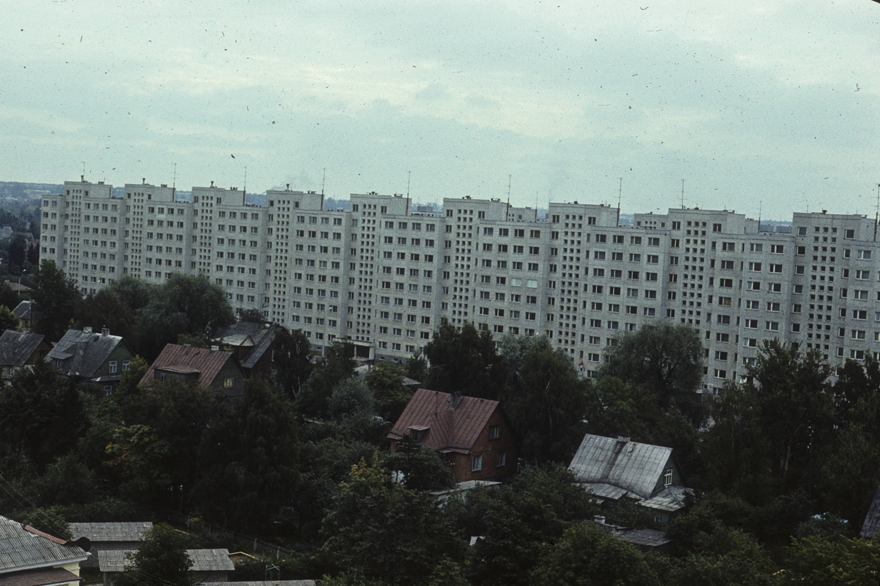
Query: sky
x,y
763,107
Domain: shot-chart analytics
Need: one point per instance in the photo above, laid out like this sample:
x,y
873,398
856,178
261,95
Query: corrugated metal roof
x,y
87,351
98,532
448,429
669,499
189,358
872,520
17,347
24,310
628,465
26,548
203,560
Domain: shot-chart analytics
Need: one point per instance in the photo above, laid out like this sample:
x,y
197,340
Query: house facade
x,y
29,557
473,435
97,358
212,368
21,349
109,537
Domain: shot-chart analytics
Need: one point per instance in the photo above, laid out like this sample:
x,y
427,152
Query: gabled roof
x,y
98,532
203,560
190,360
24,548
17,347
872,520
24,310
245,333
446,429
86,351
615,467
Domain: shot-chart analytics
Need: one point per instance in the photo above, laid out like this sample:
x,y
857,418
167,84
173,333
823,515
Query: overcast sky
x,y
762,106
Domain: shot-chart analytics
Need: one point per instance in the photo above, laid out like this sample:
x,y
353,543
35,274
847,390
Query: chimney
x,y
87,330
105,331
623,438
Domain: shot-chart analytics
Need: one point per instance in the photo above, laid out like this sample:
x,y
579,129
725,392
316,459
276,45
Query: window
x,y
501,459
112,367
228,383
494,431
477,463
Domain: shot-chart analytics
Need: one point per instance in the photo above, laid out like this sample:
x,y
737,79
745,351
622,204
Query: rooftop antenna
x,y
174,182
408,179
877,213
245,178
619,197
323,181
509,181
84,170
682,194
760,211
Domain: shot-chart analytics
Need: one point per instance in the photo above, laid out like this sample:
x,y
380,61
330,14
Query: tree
x,y
547,402
350,396
831,561
106,309
133,292
251,315
8,321
420,467
417,366
55,299
390,394
386,531
160,560
248,460
8,297
665,358
17,253
465,361
587,556
337,366
41,415
293,363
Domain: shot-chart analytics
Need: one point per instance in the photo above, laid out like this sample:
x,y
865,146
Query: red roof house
x,y
212,368
472,434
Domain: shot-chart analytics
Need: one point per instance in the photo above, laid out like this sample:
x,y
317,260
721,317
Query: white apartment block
x,y
383,276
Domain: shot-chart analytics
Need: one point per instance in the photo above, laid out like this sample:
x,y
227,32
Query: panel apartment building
x,y
383,276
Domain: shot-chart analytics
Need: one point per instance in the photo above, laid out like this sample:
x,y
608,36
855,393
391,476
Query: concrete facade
x,y
384,276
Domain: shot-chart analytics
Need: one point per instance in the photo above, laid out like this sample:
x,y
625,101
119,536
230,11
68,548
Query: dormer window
x,y
418,432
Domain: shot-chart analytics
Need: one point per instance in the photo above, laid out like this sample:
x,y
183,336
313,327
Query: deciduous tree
x,y
465,361
55,298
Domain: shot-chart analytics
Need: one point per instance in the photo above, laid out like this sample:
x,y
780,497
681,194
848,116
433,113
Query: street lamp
x,y
23,271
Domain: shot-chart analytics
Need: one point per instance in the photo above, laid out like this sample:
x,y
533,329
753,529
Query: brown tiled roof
x,y
177,358
448,429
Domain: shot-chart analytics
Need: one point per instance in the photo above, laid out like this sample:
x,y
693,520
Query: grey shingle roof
x,y
17,347
24,310
249,333
203,560
629,466
86,351
24,548
99,532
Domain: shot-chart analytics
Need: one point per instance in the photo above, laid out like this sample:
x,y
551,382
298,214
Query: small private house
x,y
24,311
109,536
21,349
29,557
472,434
208,565
616,468
88,356
212,368
252,344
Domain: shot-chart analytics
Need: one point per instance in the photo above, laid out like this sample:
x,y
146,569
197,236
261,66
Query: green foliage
x,y
465,361
665,358
134,293
55,298
422,469
350,396
248,459
41,415
106,309
336,367
293,364
390,394
832,561
417,366
586,556
183,304
161,558
385,531
8,321
49,520
251,315
546,402
8,297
